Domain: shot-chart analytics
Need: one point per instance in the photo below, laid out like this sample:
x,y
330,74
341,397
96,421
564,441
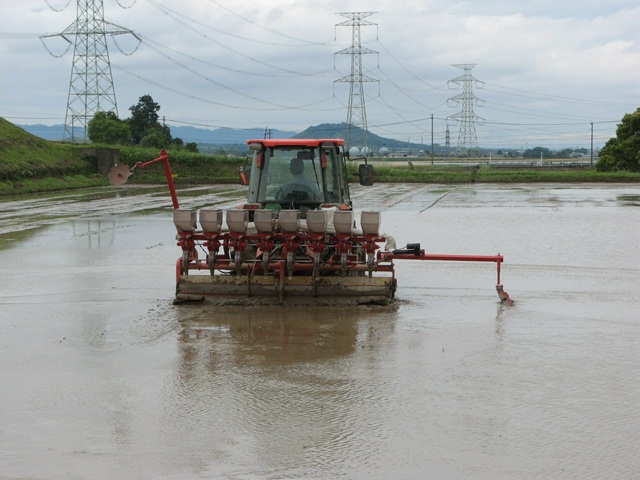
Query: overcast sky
x,y
546,69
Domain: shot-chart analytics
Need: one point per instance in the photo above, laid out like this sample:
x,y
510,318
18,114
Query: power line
x,y
57,9
184,21
416,77
11,35
270,30
173,14
91,88
356,113
30,118
403,90
236,91
557,98
156,46
250,107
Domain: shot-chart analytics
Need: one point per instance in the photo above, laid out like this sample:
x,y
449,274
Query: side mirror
x,y
365,172
245,172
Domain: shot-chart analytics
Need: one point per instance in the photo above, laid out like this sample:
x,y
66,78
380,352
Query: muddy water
x,y
102,377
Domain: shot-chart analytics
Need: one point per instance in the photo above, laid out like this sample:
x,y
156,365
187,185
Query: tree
x,y
142,128
157,136
192,147
106,127
565,153
622,153
144,119
537,152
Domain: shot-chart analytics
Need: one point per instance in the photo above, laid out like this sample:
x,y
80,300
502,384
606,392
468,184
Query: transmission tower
x,y
356,113
467,138
91,87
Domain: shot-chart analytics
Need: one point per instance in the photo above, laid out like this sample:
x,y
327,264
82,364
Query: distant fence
x,y
544,164
525,163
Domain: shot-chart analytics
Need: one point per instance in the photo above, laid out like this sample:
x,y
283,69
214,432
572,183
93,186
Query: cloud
x,y
247,63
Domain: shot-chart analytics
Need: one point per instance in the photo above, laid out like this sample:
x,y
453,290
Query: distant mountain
x,y
239,136
376,142
218,136
50,132
223,135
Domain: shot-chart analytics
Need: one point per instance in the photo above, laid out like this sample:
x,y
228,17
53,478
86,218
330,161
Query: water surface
x,y
103,377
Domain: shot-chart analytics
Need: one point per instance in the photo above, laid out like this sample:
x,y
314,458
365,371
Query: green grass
x,y
559,176
457,174
187,168
24,156
50,184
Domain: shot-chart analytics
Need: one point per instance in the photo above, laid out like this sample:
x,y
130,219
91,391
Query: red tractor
x,y
296,239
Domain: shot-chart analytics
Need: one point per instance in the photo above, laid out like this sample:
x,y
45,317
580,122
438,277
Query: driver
x,y
298,183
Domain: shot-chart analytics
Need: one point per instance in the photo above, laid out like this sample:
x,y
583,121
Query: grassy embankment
x,y
484,174
29,164
187,168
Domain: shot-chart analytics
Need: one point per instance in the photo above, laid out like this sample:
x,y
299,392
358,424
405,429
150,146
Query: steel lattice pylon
x,y
467,137
91,87
356,113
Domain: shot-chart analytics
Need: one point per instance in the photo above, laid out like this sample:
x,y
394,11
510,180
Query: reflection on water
x,y
282,334
98,233
281,390
103,377
629,200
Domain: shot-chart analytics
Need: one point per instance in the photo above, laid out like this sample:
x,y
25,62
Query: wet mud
x,y
103,377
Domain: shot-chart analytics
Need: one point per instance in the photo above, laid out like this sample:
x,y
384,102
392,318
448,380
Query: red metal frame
x,y
164,158
344,260
296,142
498,259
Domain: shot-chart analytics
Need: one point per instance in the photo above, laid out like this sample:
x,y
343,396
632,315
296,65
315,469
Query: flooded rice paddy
x,y
102,377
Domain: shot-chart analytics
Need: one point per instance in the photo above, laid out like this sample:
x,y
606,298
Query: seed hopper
x,y
296,239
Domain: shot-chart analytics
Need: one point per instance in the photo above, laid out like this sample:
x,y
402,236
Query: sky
x,y
546,73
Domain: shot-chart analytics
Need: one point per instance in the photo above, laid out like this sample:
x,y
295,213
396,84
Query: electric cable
x,y
252,107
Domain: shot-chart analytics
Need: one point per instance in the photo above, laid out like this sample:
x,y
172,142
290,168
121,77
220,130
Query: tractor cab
x,y
302,174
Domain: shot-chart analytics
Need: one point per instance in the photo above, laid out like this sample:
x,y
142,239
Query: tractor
x,y
296,239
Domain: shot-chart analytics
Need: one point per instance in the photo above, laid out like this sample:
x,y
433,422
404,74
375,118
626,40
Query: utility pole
x,y
432,139
447,140
591,144
356,113
91,87
467,138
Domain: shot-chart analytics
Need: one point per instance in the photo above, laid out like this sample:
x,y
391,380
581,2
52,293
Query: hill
x,y
50,132
25,158
224,135
25,155
376,142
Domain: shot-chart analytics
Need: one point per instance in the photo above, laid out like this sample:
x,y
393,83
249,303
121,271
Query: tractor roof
x,y
296,142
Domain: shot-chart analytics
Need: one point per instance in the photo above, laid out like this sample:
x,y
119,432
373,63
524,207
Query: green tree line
x,y
542,152
142,128
622,152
